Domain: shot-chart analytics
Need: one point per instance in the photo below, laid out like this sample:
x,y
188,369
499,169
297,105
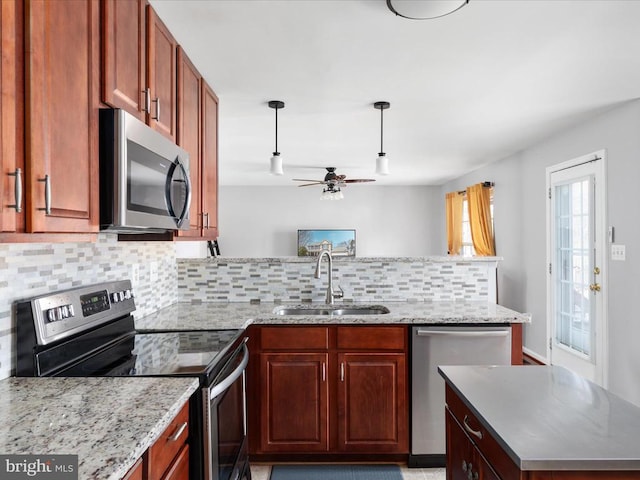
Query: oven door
x,y
225,420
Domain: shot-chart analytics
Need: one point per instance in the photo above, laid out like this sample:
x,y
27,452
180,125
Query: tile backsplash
x,y
31,269
290,279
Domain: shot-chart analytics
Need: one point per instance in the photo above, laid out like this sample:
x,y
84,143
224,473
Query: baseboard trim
x,y
532,358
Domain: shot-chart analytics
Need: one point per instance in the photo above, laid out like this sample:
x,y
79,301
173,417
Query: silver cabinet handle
x,y
178,432
157,102
147,101
342,372
206,216
17,190
475,433
47,194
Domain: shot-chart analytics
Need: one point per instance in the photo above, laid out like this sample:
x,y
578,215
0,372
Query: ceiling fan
x,y
333,182
332,179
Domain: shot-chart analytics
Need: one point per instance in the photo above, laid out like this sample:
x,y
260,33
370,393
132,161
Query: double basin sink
x,y
311,310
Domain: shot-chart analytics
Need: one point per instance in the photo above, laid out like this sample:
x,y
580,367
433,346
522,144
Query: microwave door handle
x,y
187,185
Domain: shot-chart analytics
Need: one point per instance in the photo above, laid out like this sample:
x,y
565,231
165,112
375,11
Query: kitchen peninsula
x,y
537,423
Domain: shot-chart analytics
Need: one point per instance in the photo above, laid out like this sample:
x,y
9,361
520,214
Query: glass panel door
x,y
576,267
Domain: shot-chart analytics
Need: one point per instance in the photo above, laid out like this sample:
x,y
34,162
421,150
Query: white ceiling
x,y
465,90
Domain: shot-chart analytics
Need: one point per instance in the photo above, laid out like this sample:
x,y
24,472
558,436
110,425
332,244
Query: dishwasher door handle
x,y
475,333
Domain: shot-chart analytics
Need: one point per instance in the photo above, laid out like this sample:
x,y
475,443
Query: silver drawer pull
x,y
47,194
147,101
17,190
179,432
157,102
475,433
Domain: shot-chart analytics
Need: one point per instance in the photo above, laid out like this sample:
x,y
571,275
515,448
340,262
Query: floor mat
x,y
336,472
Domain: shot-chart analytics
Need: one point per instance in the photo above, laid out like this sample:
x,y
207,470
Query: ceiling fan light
x,y
276,164
424,9
382,164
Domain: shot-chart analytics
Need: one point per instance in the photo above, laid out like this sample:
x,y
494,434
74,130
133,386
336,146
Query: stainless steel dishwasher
x,y
432,346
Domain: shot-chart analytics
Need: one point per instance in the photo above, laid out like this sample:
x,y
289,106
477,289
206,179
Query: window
x,y
467,249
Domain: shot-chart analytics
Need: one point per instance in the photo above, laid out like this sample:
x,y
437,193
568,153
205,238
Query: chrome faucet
x,y
330,293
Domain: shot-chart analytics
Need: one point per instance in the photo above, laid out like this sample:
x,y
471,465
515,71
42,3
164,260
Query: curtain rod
x,y
484,184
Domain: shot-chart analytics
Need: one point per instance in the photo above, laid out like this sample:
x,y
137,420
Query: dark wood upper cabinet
x,y
124,63
161,75
209,173
62,101
11,116
189,136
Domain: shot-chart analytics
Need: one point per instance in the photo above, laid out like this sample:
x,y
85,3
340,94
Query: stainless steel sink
x,y
332,310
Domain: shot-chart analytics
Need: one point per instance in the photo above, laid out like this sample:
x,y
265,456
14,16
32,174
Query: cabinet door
x,y
161,76
294,402
11,108
209,171
372,402
124,55
189,115
460,451
62,107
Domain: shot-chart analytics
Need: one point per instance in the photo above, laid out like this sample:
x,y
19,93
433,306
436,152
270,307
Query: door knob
x,y
594,287
596,270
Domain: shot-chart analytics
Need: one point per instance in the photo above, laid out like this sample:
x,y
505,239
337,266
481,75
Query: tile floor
x,y
262,472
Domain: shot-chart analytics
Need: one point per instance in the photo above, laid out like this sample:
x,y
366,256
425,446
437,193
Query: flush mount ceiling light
x,y
424,9
382,162
276,160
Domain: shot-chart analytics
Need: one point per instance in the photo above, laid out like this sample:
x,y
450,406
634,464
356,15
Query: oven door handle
x,y
220,387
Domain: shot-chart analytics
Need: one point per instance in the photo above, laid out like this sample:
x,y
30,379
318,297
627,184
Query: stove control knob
x,y
59,313
121,296
127,294
115,298
72,313
65,311
51,314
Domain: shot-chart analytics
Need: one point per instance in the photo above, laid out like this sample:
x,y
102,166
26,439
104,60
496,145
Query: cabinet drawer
x,y
294,338
162,453
372,338
486,444
136,472
179,470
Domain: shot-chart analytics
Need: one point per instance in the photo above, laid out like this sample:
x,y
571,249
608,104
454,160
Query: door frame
x,y
601,200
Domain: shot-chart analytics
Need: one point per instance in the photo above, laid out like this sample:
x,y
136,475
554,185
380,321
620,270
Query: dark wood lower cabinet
x,y
372,410
294,402
332,390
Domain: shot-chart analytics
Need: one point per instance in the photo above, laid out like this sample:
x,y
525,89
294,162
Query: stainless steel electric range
x,y
89,331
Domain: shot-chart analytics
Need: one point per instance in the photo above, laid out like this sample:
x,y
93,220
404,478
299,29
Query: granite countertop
x,y
555,420
108,422
211,316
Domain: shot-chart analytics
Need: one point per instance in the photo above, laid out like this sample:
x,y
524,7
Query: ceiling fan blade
x,y
310,184
359,180
306,180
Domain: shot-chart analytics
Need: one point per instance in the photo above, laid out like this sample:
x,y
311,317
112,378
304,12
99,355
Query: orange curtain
x,y
454,222
479,203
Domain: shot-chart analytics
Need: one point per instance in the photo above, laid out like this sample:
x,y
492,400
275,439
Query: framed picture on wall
x,y
340,243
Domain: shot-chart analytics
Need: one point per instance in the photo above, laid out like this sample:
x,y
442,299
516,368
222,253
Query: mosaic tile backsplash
x,y
362,279
28,270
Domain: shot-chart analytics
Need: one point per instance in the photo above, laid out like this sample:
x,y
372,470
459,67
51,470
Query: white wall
x,y
389,221
520,202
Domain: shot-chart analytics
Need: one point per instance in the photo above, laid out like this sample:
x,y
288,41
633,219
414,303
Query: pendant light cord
x,y
276,109
381,130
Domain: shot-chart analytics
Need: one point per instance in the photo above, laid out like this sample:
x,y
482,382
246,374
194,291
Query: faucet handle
x,y
339,294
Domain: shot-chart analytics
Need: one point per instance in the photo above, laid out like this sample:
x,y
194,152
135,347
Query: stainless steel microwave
x,y
144,177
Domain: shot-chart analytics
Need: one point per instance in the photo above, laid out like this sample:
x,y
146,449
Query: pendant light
x,y
382,162
276,160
